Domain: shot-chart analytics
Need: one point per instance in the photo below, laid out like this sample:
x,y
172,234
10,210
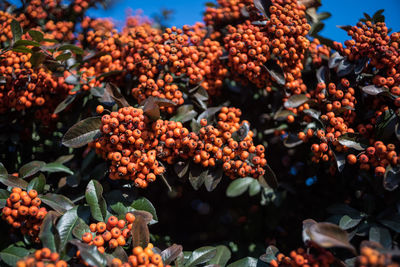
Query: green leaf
x,y
94,198
82,133
110,73
342,209
16,30
64,56
324,15
36,35
3,170
56,167
4,194
316,28
295,100
57,202
248,262
48,233
65,103
197,176
201,255
275,71
37,183
254,188
144,204
374,90
65,225
73,48
238,186
72,79
184,114
12,254
13,181
221,257
26,43
64,159
347,222
22,49
380,235
80,228
31,168
213,178
90,253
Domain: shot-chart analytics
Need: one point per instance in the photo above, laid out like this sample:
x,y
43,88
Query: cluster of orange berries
x,y
300,258
23,212
227,11
378,156
134,147
145,257
110,235
129,145
372,40
24,87
318,52
160,60
283,36
373,258
42,257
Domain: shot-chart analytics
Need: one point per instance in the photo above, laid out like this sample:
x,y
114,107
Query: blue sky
x,y
344,12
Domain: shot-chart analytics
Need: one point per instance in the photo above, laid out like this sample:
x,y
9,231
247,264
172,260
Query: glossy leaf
x,y
57,202
65,103
347,222
48,233
200,256
37,183
16,30
328,235
94,197
238,186
171,253
248,262
30,169
82,133
222,256
275,71
56,167
295,101
380,235
12,254
65,225
13,181
90,253
80,228
145,205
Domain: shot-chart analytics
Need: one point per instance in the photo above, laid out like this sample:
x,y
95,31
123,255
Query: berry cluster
x,y
159,60
115,232
300,258
145,257
42,257
283,36
24,87
373,258
135,147
23,212
227,11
